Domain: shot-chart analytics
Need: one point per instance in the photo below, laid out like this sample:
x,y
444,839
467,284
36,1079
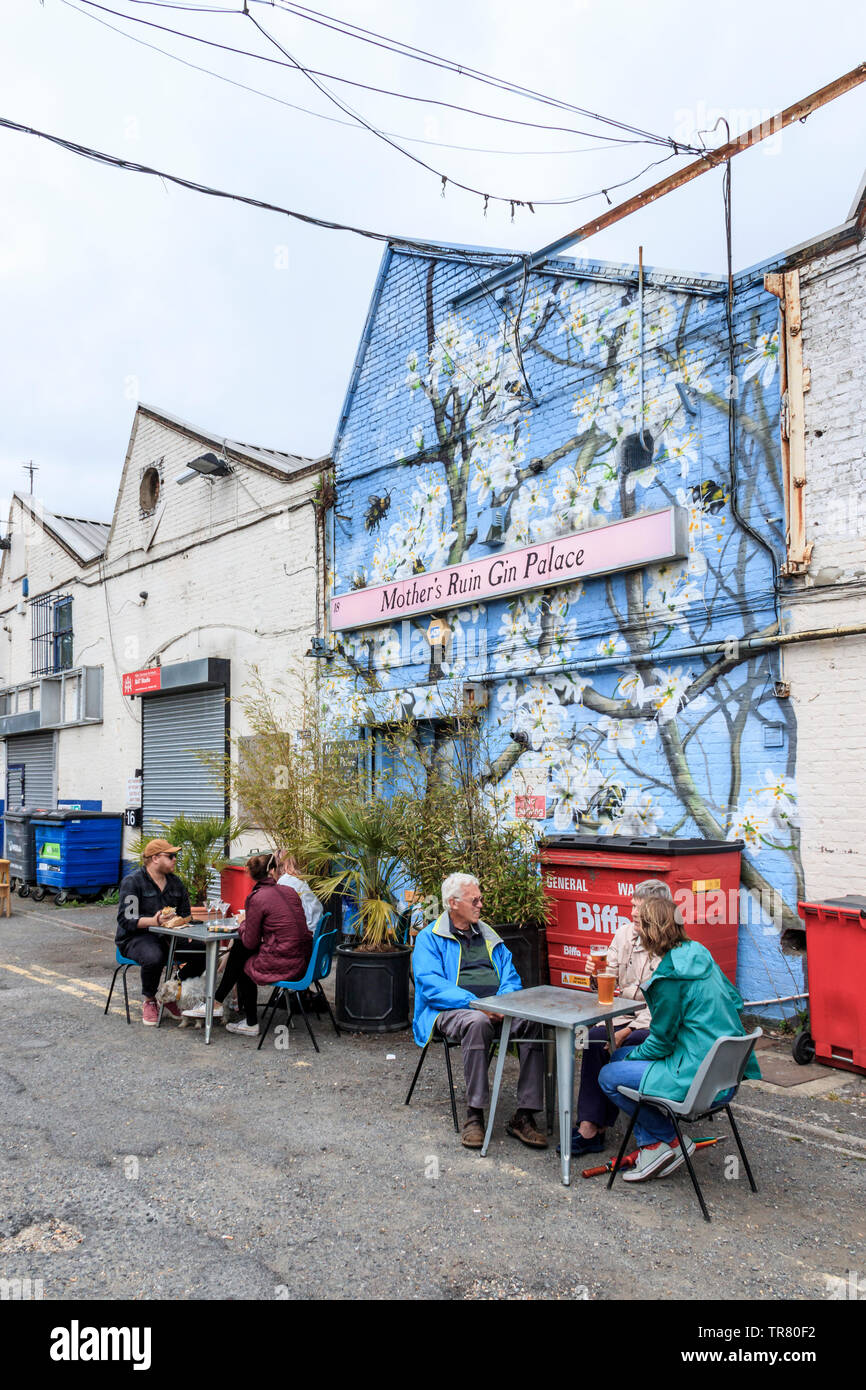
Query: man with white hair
x,y
457,959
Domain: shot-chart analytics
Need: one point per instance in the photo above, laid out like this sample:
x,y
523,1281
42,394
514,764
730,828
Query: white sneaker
x,y
652,1160
200,1011
679,1157
247,1030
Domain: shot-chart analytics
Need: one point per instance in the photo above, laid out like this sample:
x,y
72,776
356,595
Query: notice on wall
x,y
133,791
139,682
640,540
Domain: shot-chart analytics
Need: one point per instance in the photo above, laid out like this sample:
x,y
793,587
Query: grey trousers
x,y
475,1033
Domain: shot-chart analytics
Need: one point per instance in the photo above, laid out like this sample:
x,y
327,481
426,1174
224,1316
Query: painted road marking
x,y
71,926
804,1124
65,988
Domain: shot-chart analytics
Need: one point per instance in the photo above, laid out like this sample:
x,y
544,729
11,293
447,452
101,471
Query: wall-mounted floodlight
x,y
319,648
207,466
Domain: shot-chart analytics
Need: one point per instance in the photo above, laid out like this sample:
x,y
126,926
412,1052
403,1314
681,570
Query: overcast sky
x,y
116,287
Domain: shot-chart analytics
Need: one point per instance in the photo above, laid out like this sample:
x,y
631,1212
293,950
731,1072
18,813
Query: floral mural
x,y
541,415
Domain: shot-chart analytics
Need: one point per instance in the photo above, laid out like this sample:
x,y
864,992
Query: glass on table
x,y
606,985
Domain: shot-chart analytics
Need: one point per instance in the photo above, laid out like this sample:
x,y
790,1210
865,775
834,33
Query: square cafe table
x,y
201,933
564,1010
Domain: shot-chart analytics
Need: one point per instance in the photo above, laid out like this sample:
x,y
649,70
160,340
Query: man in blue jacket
x,y
458,959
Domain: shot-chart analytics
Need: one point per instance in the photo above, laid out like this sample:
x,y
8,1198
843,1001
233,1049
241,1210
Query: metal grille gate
x,y
35,753
176,729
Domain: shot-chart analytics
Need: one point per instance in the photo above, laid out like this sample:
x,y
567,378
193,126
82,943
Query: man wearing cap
x,y
149,896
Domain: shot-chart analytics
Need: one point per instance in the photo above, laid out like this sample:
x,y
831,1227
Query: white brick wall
x,y
828,678
232,574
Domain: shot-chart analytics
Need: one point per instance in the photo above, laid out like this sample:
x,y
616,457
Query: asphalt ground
x,y
139,1164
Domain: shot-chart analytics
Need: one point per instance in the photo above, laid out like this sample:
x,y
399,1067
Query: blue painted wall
x,y
532,405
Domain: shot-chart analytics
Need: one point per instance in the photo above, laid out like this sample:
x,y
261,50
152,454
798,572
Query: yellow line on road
x,y
63,988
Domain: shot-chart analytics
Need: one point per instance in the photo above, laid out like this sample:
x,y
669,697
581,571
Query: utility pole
x,y
31,468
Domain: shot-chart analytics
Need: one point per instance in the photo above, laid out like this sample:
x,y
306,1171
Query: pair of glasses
x,y
171,856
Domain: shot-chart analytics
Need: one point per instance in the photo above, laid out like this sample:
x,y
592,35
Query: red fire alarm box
x,y
590,881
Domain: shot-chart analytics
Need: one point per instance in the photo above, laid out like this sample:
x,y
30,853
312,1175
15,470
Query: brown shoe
x,y
473,1133
522,1126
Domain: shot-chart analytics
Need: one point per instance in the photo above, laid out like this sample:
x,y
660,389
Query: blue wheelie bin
x,y
77,852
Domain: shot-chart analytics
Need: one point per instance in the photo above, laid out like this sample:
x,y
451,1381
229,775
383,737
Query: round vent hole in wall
x,y
148,493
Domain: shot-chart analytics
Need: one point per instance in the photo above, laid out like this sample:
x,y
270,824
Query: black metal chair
x,y
448,1043
721,1071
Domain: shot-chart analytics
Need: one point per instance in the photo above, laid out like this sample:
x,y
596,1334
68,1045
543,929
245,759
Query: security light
x,y
211,466
206,466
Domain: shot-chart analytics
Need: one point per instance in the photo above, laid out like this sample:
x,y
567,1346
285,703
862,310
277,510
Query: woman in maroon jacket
x,y
275,944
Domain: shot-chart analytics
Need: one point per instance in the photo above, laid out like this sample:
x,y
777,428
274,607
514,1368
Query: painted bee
x,y
709,496
359,579
610,799
417,565
377,511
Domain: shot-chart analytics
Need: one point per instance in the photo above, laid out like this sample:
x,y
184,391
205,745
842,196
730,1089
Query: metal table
x,y
564,1010
200,932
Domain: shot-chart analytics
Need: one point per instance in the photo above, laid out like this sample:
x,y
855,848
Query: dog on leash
x,y
186,994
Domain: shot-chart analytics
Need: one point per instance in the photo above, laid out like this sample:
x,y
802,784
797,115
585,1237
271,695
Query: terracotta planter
x,y
199,914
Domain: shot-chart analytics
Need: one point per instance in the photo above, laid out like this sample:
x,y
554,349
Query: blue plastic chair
x,y
123,963
319,968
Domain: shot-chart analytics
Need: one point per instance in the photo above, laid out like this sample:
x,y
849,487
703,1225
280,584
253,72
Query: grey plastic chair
x,y
720,1071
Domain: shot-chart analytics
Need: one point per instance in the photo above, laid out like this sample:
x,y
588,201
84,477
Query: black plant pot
x,y
372,989
528,947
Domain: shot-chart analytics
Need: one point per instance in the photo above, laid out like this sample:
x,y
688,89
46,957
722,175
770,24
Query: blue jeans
x,y
651,1125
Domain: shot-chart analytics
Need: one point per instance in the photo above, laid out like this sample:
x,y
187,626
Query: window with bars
x,y
52,634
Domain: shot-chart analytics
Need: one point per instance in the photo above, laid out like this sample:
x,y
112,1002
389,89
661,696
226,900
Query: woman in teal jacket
x,y
692,1004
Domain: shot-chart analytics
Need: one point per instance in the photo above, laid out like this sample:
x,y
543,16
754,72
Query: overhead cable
x,y
100,157
461,69
351,82
335,120
422,55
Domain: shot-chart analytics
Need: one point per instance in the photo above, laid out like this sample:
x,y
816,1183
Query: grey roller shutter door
x,y
175,728
36,752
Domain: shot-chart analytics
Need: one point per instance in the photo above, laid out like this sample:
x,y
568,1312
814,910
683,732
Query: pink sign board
x,y
640,540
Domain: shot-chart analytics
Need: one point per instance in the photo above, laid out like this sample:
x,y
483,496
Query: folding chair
x,y
721,1071
318,969
123,963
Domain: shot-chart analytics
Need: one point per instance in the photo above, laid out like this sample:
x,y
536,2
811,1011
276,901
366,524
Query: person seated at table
x,y
149,896
691,1005
288,873
632,964
274,944
458,959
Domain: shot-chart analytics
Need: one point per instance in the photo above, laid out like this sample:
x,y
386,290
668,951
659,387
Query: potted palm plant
x,y
201,850
355,852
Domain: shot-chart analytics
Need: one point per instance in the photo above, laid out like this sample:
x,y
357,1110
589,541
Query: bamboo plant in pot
x,y
355,853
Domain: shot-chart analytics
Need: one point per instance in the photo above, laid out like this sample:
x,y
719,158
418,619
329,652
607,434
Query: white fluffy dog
x,y
185,994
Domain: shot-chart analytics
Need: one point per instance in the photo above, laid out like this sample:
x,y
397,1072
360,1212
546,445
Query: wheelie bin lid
x,y
853,902
25,812
67,814
636,844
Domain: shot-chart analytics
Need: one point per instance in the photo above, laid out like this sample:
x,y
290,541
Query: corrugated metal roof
x,y
271,458
86,539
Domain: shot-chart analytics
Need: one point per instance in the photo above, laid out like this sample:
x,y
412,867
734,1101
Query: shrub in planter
x,y
355,852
